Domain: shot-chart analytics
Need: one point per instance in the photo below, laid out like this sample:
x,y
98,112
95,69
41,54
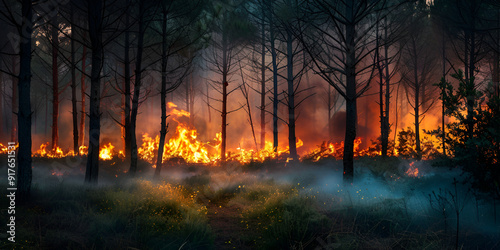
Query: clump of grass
x,y
284,220
157,214
140,215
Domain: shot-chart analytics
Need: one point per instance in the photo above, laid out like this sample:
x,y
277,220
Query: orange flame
x,y
412,171
54,153
106,152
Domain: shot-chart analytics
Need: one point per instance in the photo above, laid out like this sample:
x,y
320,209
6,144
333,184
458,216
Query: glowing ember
x,y
3,149
412,170
83,150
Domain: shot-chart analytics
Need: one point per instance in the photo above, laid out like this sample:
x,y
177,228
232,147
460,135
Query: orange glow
x,y
83,150
184,144
333,150
54,153
412,171
3,149
106,152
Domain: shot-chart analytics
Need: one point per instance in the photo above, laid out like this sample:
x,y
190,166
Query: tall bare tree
x,y
25,29
231,30
95,22
343,42
182,17
418,71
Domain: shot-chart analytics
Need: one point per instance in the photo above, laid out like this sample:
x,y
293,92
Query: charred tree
x,y
163,91
95,34
275,77
177,20
225,71
25,30
418,71
14,103
137,88
248,109
232,30
83,88
55,81
73,85
350,95
263,84
339,38
127,92
292,140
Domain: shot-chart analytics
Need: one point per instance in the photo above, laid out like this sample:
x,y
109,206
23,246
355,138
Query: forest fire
x,y
332,150
184,144
56,152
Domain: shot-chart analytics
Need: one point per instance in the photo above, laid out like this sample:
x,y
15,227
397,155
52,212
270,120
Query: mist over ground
x,y
382,195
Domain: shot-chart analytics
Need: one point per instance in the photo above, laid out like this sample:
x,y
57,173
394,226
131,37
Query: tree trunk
x,y
380,92
55,82
73,86
330,109
275,83
443,92
417,101
471,84
83,87
24,174
187,82
15,82
191,100
263,85
163,94
128,134
496,60
95,32
1,103
385,140
351,110
208,106
137,89
292,140
245,93
224,95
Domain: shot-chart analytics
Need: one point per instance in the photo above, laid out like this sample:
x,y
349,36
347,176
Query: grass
x,y
225,209
139,215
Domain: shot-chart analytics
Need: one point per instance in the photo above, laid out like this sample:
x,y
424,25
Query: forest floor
x,y
267,206
225,222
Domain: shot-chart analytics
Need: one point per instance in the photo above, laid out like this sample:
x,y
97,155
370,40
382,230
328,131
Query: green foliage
x,y
407,145
473,137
